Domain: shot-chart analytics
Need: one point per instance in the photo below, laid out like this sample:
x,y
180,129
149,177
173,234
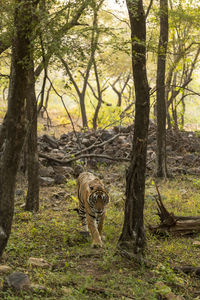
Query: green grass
x,y
77,271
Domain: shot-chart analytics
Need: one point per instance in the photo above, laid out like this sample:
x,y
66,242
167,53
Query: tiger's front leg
x,y
100,225
96,238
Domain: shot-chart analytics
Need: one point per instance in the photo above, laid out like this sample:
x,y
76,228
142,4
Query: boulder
x,y
46,181
17,281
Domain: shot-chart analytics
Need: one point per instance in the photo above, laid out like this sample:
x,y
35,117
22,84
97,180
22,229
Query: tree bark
x,y
32,198
161,165
133,235
15,131
99,91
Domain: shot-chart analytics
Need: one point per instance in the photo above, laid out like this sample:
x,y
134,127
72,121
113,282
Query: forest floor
x,y
71,269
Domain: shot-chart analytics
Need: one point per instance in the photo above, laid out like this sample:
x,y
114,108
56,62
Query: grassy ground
x,y
76,271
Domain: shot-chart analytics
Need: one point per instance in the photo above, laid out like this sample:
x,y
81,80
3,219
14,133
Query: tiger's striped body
x,y
92,201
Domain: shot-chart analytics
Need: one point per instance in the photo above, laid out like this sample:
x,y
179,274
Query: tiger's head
x,y
98,198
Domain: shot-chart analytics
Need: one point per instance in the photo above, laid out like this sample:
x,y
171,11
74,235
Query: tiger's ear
x,y
105,198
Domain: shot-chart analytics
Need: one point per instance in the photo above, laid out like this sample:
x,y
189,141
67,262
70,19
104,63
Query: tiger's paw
x,y
97,245
85,233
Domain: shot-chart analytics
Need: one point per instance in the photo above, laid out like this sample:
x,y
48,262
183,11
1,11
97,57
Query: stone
x,y
65,137
51,141
46,181
78,169
59,179
17,281
86,142
5,269
66,291
38,262
196,243
106,135
66,171
38,287
46,171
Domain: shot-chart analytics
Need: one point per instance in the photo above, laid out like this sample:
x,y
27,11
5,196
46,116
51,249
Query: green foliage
x,y
78,272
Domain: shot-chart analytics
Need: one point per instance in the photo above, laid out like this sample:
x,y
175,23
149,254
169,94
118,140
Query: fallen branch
x,y
95,145
66,162
188,270
183,225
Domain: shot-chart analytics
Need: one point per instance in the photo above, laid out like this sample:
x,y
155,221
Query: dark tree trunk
x,y
3,132
161,165
133,235
183,112
83,111
94,121
15,131
32,199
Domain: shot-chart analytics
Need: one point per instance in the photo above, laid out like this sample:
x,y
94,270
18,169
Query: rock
x,y
61,194
189,157
66,171
106,135
59,179
193,171
17,281
123,129
169,148
122,140
66,291
86,142
51,141
46,181
5,269
196,243
38,287
64,137
19,193
78,169
46,171
38,262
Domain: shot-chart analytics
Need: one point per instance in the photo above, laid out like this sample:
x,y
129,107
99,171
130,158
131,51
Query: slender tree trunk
x,y
99,91
15,130
83,111
32,198
161,165
133,236
183,112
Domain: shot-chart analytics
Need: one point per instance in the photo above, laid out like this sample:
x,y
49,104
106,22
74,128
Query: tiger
x,y
92,201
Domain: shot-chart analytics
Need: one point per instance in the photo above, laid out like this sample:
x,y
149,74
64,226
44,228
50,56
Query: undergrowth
x,y
76,271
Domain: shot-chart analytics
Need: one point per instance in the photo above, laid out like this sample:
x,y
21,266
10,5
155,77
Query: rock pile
x,y
62,158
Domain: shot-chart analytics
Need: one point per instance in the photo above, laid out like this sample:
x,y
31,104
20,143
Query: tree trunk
x,y
3,132
99,91
32,199
15,131
83,111
133,236
161,165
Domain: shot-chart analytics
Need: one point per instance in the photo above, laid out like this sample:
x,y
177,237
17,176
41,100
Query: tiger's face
x,y
98,199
